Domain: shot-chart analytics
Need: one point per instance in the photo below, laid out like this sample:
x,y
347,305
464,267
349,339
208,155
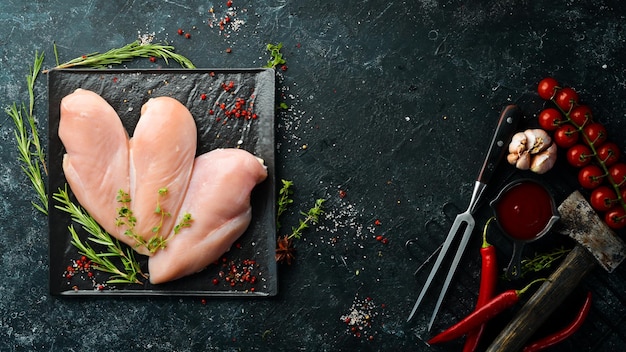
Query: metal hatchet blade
x,y
596,244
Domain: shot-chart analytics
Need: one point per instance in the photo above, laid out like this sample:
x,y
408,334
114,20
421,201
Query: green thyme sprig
x,y
126,53
541,261
276,55
126,218
310,218
184,222
29,146
130,270
284,200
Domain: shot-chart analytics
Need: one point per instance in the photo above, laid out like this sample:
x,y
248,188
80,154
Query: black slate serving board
x,y
202,92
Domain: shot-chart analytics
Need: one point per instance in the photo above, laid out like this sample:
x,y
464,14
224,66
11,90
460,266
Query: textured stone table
x,y
390,109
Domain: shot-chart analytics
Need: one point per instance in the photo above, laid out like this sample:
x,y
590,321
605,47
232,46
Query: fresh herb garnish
x,y
276,55
284,200
129,271
126,218
542,261
311,217
27,138
285,251
126,53
184,222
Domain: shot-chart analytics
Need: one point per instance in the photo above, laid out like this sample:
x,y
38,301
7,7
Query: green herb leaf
x,y
276,55
127,53
284,200
130,269
310,217
30,150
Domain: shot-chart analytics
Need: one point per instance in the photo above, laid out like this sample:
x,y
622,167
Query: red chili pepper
x,y
566,332
481,315
488,281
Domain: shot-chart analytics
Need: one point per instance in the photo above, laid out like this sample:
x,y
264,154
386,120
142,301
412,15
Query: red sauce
x,y
524,210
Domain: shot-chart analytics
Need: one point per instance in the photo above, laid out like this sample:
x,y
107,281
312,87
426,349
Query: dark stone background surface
x,y
392,102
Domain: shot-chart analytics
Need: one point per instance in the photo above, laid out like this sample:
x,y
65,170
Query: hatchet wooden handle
x,y
578,263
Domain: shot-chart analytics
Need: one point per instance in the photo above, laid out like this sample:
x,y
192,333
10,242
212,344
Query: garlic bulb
x,y
532,149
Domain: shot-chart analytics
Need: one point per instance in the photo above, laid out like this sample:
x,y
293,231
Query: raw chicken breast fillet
x,y
162,152
218,200
96,160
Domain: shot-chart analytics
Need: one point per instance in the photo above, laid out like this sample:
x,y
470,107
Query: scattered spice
x,y
241,274
229,50
228,22
180,31
187,35
82,271
361,317
285,252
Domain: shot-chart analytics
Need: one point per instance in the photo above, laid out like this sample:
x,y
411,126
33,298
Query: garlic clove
x,y
540,140
523,163
512,158
531,139
518,143
544,161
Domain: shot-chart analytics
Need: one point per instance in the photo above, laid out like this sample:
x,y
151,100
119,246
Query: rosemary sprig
x,y
127,53
310,217
276,55
27,138
101,260
284,200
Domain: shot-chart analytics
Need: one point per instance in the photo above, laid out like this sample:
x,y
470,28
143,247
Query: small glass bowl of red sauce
x,y
525,211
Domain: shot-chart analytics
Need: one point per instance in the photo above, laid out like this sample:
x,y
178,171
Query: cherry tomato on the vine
x,y
596,133
603,198
581,115
616,217
609,153
550,119
590,176
617,174
579,155
547,87
566,136
566,98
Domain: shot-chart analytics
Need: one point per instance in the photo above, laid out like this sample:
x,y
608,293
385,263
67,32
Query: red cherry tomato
x,y
566,136
609,153
590,176
616,217
603,198
617,174
566,98
596,133
579,155
550,119
581,115
547,87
